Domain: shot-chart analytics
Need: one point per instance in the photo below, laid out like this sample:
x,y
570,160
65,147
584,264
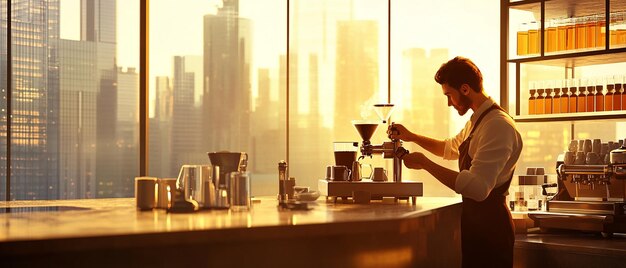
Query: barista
x,y
487,149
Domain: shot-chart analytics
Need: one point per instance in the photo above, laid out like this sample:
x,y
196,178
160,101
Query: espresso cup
x,y
587,146
570,158
580,158
380,174
592,158
596,147
573,146
604,149
339,173
581,145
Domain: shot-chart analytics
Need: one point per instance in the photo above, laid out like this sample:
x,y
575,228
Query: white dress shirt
x,y
495,147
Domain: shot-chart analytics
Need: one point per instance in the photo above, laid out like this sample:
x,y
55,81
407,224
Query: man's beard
x,y
464,105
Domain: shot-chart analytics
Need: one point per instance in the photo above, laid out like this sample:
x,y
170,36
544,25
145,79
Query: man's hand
x,y
398,131
414,160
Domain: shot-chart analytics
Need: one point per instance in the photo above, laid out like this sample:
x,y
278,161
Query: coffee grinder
x,y
388,149
393,149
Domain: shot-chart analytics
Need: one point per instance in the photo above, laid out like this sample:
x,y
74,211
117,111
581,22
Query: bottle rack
x,y
569,59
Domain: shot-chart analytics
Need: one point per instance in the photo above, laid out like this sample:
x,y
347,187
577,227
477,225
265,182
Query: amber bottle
x,y
617,97
623,96
564,107
540,102
590,101
532,102
599,97
556,101
548,102
572,100
581,99
608,97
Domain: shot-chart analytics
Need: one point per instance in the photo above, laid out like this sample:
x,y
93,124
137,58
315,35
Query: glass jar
x,y
551,40
533,38
522,39
581,33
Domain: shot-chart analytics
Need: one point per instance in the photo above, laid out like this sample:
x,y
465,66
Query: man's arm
x,y
434,146
420,161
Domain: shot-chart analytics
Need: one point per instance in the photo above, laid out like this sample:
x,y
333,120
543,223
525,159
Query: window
x,y
221,84
218,85
74,99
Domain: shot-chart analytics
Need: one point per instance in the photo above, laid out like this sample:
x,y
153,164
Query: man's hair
x,y
459,71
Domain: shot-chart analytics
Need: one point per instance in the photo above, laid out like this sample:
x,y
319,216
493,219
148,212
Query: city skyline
x,y
76,108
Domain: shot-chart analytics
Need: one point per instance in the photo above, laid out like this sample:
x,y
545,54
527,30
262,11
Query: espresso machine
x,y
391,149
589,197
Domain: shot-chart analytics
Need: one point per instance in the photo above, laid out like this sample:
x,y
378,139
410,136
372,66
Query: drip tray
x,y
39,209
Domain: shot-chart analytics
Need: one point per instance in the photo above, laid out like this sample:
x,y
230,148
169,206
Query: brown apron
x,y
487,234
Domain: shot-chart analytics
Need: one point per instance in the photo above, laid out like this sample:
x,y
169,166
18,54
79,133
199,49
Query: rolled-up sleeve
x,y
451,145
494,148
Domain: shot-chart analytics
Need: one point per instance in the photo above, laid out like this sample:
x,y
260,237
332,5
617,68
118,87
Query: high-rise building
x,y
308,130
164,100
117,103
185,132
98,21
268,143
118,137
78,96
227,89
356,80
160,129
35,98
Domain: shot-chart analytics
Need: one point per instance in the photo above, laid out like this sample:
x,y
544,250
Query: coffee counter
x,y
112,233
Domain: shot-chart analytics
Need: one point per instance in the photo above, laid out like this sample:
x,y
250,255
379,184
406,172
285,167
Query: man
x,y
487,149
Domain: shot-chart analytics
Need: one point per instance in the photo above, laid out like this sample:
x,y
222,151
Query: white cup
x,y
380,174
146,191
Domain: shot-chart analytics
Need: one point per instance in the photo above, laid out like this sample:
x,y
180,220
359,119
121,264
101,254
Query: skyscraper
x,y
356,79
226,98
78,94
308,130
118,117
185,133
160,129
117,113
98,21
35,98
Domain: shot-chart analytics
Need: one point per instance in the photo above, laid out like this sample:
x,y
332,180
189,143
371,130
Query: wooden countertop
x,y
113,233
106,217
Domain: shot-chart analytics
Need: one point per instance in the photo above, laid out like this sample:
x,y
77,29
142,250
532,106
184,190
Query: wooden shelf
x,y
571,117
555,9
582,58
567,8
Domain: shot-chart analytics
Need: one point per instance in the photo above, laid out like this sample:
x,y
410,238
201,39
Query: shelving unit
x,y
569,60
